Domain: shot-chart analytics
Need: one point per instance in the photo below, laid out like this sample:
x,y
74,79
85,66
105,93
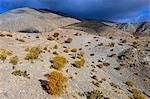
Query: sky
x,y
110,10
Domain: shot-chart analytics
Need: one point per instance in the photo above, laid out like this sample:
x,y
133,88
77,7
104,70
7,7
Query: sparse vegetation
x,y
57,83
95,94
14,60
59,62
33,53
21,73
79,63
69,40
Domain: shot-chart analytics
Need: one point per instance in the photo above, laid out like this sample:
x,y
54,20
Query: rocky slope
x,y
110,63
142,28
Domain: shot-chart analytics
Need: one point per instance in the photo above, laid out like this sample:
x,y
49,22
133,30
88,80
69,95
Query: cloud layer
x,y
112,10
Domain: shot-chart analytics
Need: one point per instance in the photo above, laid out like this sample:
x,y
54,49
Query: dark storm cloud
x,y
117,10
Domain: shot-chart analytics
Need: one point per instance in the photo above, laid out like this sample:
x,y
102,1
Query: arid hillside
x,y
75,60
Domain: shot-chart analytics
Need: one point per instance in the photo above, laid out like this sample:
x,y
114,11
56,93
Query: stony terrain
x,y
116,62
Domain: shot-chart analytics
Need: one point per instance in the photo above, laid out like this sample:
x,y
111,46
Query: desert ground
x,y
99,62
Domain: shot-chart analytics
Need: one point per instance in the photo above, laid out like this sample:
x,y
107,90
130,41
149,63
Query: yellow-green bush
x,y
59,62
74,50
4,54
79,63
69,40
14,60
32,53
57,83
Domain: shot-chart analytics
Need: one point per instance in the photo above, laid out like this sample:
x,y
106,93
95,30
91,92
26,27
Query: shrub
x,y
137,94
33,53
100,65
9,35
129,83
69,40
79,63
59,62
20,40
74,50
4,54
66,50
123,41
95,94
55,34
50,38
57,83
14,60
100,44
55,47
112,44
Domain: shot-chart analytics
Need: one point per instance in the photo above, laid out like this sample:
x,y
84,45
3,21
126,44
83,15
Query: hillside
x,y
32,20
75,60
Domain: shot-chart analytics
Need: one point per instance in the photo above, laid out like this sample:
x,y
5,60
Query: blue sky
x,y
112,10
